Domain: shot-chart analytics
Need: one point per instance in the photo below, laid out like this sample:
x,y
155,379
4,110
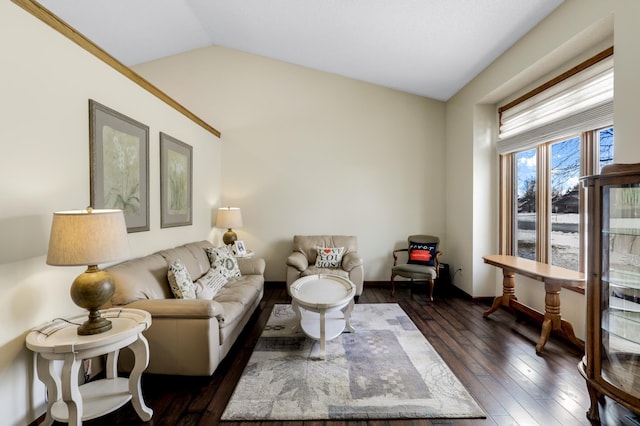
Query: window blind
x,y
581,102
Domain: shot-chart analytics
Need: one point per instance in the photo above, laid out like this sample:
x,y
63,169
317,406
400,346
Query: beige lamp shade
x,y
229,217
87,237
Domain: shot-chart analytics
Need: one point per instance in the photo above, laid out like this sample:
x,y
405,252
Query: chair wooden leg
x,y
393,285
431,283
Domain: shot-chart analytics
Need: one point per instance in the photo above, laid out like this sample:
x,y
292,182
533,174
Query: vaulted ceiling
x,y
426,47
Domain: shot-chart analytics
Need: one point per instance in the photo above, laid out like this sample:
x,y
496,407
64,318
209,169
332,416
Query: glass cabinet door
x,y
620,289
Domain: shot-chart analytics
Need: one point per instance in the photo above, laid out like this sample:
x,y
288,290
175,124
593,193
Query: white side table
x,y
58,340
323,305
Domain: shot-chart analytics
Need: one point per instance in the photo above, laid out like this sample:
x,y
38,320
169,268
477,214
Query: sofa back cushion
x,y
307,244
198,251
192,256
146,277
141,278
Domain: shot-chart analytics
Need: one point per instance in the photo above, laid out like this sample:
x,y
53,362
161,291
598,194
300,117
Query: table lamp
x,y
87,238
229,217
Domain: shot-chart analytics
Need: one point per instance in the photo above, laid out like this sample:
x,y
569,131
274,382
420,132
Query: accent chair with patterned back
x,y
422,261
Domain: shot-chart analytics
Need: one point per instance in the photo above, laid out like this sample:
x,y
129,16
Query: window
x,y
525,236
548,206
565,204
605,142
548,139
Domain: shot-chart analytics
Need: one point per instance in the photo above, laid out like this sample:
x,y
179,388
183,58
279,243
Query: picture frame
x,y
241,250
119,165
176,182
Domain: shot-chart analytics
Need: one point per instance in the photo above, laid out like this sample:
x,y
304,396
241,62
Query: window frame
x,y
589,165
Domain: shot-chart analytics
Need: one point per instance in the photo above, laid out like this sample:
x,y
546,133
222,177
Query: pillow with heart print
x,y
329,257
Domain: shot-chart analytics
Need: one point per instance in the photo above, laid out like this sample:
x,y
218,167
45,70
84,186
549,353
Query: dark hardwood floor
x,y
494,358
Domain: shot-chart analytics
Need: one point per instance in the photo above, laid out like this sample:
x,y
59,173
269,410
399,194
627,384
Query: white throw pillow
x,y
223,260
210,284
329,257
180,281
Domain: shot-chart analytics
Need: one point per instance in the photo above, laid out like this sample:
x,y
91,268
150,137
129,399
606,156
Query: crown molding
x,y
46,16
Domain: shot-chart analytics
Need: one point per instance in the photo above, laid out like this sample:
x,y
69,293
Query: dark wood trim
x,y
377,284
575,70
576,289
71,33
486,300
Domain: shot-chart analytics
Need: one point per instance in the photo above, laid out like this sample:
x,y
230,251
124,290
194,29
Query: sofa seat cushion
x,y
235,297
415,271
314,270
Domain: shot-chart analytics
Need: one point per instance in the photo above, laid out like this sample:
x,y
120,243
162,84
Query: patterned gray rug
x,y
385,370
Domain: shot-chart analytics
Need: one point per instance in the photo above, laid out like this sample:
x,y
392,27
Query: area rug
x,y
385,370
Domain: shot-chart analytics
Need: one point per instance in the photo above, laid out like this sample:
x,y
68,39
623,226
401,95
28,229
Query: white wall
x,y
309,152
573,32
626,84
44,90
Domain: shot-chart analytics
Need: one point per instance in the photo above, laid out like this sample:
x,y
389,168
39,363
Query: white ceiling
x,y
426,47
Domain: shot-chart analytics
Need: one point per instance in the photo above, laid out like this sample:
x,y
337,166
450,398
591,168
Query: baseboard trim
x,y
450,288
484,300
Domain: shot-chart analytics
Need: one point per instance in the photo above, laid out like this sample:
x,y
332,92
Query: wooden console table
x,y
554,278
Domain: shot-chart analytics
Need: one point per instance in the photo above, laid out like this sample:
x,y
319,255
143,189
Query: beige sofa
x,y
187,336
301,262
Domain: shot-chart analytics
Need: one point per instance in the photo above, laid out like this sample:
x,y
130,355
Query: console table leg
x,y
140,350
70,391
508,292
112,364
544,335
49,377
497,302
567,330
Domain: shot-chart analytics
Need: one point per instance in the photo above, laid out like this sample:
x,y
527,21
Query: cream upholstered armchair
x,y
325,254
422,261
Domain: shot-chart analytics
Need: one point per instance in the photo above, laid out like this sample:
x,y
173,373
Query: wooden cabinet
x,y
611,365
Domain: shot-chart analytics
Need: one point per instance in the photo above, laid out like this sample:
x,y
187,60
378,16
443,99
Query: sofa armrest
x,y
251,265
351,260
298,260
179,308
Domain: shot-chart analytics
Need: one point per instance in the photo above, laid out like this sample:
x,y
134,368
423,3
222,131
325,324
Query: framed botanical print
x,y
176,182
119,165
